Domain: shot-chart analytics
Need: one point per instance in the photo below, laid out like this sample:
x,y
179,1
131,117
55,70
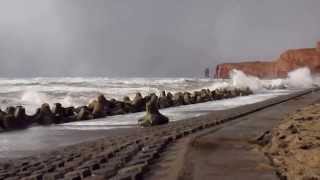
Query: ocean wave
x,y
75,91
32,92
297,79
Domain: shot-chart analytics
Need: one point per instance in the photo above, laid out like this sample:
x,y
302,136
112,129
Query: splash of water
x,y
31,100
300,78
297,79
68,101
240,80
33,97
31,93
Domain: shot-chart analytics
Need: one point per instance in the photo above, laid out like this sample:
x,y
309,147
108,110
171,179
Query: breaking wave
x,y
32,92
298,79
301,78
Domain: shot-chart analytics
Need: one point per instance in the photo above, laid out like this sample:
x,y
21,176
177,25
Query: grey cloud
x,y
147,37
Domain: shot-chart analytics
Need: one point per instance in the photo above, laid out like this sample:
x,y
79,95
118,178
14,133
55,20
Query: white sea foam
x,y
300,78
15,143
70,91
175,113
297,79
79,91
33,92
240,80
33,97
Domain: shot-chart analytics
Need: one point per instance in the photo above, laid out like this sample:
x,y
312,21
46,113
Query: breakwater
x,y
16,118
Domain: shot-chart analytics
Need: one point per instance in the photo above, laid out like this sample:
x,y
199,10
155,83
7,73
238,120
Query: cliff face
x,y
288,61
259,69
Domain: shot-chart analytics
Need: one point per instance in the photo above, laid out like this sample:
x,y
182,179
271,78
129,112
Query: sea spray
x,y
300,78
32,92
32,100
297,79
68,101
240,80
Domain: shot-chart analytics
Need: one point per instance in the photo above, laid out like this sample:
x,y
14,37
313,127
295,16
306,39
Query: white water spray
x,y
297,79
300,79
240,80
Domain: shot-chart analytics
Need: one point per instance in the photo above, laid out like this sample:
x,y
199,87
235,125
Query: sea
x,y
78,91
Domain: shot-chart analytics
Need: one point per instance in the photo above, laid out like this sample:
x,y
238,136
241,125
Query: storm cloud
x,y
147,38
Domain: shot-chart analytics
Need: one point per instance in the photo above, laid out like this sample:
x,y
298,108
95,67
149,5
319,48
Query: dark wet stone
x,y
100,107
98,110
15,118
139,102
44,115
164,101
205,96
60,115
68,111
187,98
57,109
10,110
21,119
178,99
199,99
118,108
126,99
153,116
84,114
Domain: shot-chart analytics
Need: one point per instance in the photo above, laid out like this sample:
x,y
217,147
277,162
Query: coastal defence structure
x,y
167,151
290,60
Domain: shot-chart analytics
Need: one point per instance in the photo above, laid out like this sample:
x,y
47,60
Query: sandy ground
x,y
294,146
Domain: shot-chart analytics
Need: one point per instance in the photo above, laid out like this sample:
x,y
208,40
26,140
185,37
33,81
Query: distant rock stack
x,y
207,73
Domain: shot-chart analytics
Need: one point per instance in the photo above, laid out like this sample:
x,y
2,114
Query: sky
x,y
148,38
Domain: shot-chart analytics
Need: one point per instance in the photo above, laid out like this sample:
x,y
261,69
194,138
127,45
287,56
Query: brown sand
x,y
294,146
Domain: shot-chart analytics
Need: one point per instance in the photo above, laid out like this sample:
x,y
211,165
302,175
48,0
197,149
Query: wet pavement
x,y
229,153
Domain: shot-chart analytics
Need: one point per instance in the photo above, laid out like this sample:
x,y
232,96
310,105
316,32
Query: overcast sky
x,y
147,37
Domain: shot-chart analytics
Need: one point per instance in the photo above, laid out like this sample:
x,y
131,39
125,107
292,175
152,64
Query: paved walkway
x,y
226,152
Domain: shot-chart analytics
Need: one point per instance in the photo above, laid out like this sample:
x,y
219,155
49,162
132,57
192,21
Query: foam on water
x,y
174,114
301,78
78,91
297,79
32,92
17,143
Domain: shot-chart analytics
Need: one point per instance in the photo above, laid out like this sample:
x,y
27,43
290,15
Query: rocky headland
x,y
288,61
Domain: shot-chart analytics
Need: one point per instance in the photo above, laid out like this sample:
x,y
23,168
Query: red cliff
x,y
288,61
